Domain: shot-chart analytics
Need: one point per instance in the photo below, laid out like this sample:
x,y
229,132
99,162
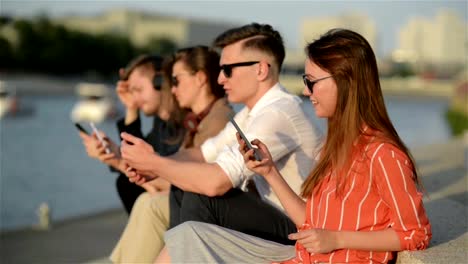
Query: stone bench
x,y
449,235
443,170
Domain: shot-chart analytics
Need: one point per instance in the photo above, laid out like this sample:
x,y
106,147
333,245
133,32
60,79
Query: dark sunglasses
x,y
175,81
310,84
227,68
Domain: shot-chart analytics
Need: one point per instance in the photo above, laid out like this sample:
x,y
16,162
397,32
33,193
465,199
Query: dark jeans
x,y
128,192
237,210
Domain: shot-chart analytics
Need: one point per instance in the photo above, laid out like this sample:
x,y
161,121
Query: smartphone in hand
x,y
80,128
257,155
103,142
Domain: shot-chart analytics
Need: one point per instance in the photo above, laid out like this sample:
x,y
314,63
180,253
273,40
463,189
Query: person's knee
x,y
142,200
185,228
159,208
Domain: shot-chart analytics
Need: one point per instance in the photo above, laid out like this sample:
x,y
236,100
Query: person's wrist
x,y
338,238
154,160
133,110
114,162
131,115
121,165
272,173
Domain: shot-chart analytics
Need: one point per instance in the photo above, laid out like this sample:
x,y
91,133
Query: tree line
x,y
44,47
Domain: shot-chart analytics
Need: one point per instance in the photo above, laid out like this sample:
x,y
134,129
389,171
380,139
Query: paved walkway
x,y
74,241
90,239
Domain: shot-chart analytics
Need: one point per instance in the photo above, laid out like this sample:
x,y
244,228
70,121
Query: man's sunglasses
x,y
227,68
310,84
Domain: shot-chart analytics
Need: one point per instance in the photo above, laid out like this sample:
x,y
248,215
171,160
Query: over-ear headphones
x,y
156,62
192,120
158,78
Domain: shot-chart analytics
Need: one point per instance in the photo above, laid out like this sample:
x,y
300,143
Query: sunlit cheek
x,y
332,109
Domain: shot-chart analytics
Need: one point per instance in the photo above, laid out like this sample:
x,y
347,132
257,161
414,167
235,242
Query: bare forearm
x,y
116,163
293,204
190,154
130,116
197,177
385,240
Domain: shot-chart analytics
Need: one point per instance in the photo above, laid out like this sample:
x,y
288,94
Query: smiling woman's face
x,y
325,92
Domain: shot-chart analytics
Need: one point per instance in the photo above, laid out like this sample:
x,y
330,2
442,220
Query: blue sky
x,y
285,16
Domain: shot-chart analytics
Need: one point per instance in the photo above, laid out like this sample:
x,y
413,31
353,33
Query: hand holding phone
x,y
257,155
103,142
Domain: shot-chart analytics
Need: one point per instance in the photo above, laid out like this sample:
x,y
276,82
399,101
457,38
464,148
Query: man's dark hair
x,y
151,62
261,37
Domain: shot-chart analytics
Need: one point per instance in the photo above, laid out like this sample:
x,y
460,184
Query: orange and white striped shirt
x,y
380,193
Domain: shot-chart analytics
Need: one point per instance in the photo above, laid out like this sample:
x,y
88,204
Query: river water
x,y
42,158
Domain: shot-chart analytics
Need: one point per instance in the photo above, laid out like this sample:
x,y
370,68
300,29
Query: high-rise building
x,y
141,27
312,28
442,40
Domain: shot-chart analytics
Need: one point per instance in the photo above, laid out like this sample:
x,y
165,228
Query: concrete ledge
x,y
449,239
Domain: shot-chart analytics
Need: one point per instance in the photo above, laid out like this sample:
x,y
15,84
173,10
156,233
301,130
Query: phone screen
x,y
103,142
257,155
77,125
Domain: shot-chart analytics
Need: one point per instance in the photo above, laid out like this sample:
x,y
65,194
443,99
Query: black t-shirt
x,y
160,137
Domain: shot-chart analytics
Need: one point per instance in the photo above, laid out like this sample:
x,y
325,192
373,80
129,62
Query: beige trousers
x,y
143,237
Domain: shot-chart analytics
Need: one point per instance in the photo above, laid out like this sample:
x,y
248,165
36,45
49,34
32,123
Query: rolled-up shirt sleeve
x,y
279,136
399,192
213,146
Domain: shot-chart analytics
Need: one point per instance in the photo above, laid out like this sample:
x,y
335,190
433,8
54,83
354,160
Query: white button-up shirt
x,y
279,121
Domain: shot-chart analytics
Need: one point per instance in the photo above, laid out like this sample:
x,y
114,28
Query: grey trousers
x,y
196,242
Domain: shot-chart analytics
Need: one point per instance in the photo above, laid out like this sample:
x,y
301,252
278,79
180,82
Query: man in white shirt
x,y
209,183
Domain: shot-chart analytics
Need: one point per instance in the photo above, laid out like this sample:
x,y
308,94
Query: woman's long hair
x,y
201,58
349,58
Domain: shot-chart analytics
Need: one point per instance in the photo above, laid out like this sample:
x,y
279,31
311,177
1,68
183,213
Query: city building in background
x,y
141,27
312,28
434,45
428,48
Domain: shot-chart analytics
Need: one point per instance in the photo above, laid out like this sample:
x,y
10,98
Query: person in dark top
x,y
144,88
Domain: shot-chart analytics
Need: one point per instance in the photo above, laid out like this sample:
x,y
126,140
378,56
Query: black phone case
x,y
81,128
257,155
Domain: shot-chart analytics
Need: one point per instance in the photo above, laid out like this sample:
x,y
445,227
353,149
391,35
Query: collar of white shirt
x,y
274,93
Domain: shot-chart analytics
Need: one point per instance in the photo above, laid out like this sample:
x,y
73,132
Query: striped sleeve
x,y
395,184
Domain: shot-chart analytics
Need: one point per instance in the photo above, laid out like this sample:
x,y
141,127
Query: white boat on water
x,y
8,100
95,103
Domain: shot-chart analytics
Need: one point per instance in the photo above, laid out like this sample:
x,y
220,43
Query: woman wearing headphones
x,y
193,73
